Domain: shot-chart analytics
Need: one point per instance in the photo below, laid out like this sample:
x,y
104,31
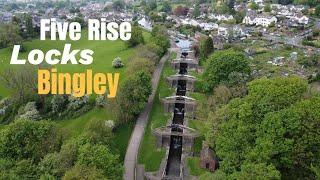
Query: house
x,y
260,3
6,17
265,20
221,17
145,24
300,18
223,30
240,31
249,19
208,26
218,42
207,159
252,18
189,21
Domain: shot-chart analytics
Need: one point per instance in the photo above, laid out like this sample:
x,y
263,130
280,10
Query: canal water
x,y
175,151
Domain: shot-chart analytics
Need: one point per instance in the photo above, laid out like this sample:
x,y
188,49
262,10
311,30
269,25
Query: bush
x,y
117,63
29,112
59,103
77,102
101,100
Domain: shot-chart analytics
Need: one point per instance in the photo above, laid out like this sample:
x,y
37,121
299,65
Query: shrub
x,y
117,63
29,112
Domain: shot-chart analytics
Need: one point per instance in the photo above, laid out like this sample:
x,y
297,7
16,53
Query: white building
x,y
145,24
223,30
221,17
259,20
208,26
300,18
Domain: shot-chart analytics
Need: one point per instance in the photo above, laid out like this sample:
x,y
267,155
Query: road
x,y
130,160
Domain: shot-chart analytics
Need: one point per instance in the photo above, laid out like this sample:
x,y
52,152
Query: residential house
x,y
208,26
223,30
300,18
264,20
145,24
218,42
221,17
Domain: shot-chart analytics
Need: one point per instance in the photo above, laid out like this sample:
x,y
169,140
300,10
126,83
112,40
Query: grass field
x,y
149,155
104,53
194,166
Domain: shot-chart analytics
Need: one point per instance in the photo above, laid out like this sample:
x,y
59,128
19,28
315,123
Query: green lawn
x,y
104,53
194,166
149,155
74,127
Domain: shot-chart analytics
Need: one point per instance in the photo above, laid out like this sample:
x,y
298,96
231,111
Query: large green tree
x,y
136,37
205,48
166,7
269,132
133,95
220,65
100,157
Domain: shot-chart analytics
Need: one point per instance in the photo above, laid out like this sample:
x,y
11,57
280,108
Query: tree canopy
x,y
270,133
206,47
136,37
220,65
26,139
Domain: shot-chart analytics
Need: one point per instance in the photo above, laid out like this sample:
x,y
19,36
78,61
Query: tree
x,y
217,175
221,9
100,157
22,83
317,12
97,132
253,171
220,65
9,35
118,5
84,172
166,7
160,38
181,11
136,37
25,139
267,8
254,6
261,130
205,48
196,11
23,169
133,95
29,26
143,64
285,2
152,4
287,139
231,5
149,52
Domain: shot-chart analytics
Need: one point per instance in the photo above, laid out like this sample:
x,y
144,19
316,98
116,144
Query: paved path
x,y
130,160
